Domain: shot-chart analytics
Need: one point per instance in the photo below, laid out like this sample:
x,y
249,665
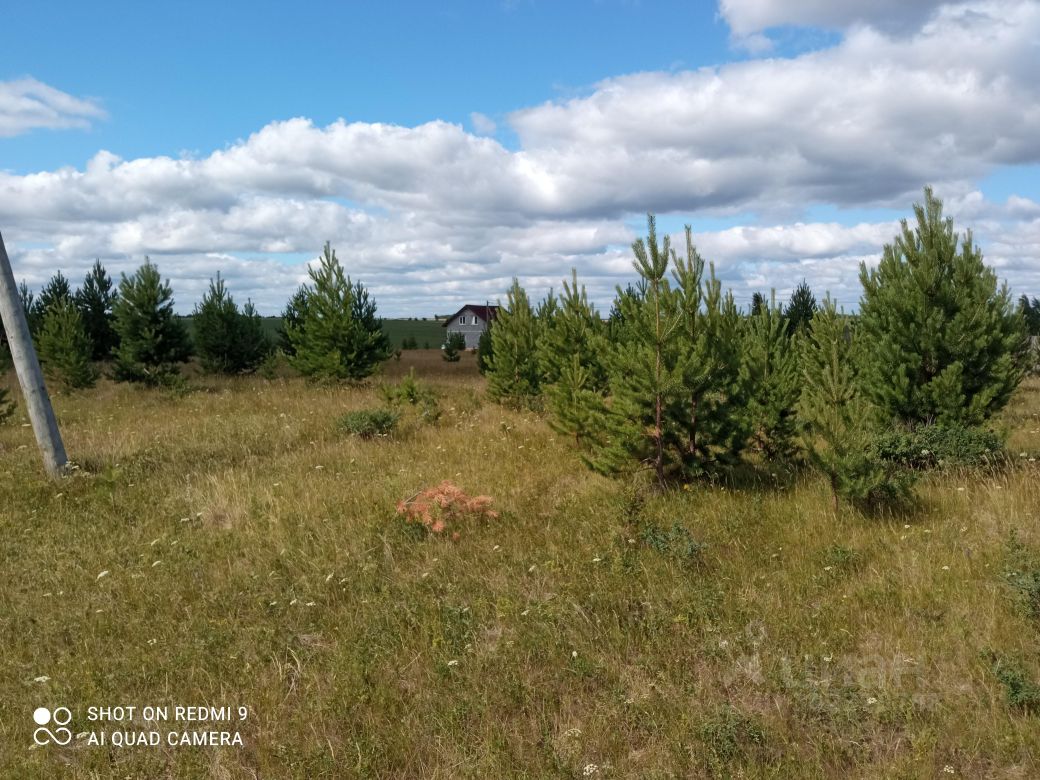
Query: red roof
x,y
486,313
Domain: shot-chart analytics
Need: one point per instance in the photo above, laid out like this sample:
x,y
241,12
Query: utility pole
x,y
27,366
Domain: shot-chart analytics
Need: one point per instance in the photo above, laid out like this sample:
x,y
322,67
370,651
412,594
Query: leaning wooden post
x,y
27,366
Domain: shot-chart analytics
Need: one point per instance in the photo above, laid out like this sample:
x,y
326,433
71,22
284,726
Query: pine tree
x,y
65,349
152,340
758,302
228,341
572,329
291,319
941,341
709,409
577,408
485,349
455,344
770,373
645,379
338,335
96,300
254,344
837,417
514,374
1030,311
33,309
56,290
800,309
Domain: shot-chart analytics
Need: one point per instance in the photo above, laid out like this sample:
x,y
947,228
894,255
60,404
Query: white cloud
x,y
27,104
482,123
746,17
430,214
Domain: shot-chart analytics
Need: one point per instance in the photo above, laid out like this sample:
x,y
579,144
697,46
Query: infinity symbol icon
x,y
61,717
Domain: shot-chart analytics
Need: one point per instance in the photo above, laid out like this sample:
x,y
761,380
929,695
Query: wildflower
x,y
574,653
453,662
946,568
871,700
589,770
827,568
948,769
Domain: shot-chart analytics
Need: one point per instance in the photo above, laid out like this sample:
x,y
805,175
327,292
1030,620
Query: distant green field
x,y
428,333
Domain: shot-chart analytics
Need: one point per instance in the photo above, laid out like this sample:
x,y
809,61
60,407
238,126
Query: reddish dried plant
x,y
444,506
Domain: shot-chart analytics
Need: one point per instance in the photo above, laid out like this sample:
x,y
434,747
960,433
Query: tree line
x,y
329,329
679,381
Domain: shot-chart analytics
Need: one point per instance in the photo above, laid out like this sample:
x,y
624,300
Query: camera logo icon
x,y
60,718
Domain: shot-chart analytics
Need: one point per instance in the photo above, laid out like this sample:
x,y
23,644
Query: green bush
x,y
931,446
6,405
1022,691
369,423
412,393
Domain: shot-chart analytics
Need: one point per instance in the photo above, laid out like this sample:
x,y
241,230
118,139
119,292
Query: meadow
x,y
228,544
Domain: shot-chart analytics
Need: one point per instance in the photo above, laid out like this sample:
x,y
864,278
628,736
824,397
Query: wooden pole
x,y
27,366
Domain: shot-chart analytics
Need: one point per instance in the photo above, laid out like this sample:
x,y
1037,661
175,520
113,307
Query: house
x,y
470,321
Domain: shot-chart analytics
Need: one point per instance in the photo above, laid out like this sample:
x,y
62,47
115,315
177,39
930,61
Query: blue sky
x,y
445,148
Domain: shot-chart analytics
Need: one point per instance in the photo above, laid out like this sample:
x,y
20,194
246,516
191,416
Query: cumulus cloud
x,y
747,17
431,214
27,104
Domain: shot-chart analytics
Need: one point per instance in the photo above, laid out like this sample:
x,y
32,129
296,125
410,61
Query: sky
x,y
444,148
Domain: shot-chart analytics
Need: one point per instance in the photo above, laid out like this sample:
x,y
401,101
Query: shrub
x,y
6,405
1022,691
415,394
1023,574
369,423
727,735
445,506
485,349
455,344
513,374
930,446
409,342
64,346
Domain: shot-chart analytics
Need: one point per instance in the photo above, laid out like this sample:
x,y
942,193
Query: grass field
x,y
230,546
425,332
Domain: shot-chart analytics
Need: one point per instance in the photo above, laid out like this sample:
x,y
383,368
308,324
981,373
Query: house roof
x,y
486,313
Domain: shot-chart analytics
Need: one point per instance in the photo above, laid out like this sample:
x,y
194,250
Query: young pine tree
x,y
152,340
485,349
770,373
291,319
836,417
95,300
453,347
227,340
645,378
337,334
57,290
709,409
800,309
514,375
65,349
941,342
573,328
32,307
576,406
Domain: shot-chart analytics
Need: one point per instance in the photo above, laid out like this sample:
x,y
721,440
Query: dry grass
x,y
256,558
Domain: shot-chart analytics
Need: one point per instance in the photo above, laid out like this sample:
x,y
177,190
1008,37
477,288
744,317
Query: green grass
x,y
255,557
397,330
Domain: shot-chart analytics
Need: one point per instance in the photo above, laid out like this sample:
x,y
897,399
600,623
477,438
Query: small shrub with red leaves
x,y
444,507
